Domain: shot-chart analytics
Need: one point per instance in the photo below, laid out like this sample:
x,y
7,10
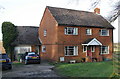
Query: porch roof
x,y
92,41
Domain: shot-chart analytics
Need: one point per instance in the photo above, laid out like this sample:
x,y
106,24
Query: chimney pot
x,y
97,10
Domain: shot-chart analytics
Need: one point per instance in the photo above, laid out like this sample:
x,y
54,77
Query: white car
x,y
31,57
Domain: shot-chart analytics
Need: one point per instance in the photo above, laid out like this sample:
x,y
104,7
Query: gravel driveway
x,y
31,70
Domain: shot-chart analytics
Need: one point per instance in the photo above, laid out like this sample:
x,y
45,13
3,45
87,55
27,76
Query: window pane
x,y
84,48
71,31
104,49
71,50
88,31
92,48
75,50
45,32
104,32
65,30
43,49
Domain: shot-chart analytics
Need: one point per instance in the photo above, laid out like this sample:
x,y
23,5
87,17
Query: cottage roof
x,y
27,35
78,18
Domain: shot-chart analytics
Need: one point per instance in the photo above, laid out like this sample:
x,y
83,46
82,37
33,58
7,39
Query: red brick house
x,y
71,35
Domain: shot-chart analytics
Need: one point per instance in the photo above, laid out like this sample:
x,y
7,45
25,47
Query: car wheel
x,y
10,67
26,62
39,62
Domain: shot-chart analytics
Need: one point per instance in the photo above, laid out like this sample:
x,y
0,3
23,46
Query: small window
x,y
104,49
84,48
43,49
88,31
104,32
71,31
45,32
92,48
71,50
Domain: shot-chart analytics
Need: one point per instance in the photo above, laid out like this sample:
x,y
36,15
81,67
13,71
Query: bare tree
x,y
115,13
94,3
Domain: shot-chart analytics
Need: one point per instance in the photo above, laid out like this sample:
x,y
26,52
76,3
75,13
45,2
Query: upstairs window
x,y
45,32
88,31
104,32
71,50
71,31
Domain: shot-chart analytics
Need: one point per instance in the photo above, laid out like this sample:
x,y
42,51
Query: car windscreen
x,y
3,56
32,55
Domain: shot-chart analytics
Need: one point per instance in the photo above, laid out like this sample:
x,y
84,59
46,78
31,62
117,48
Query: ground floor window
x,y
43,48
71,50
104,49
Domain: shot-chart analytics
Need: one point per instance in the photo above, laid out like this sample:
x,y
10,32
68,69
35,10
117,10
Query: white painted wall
x,y
22,49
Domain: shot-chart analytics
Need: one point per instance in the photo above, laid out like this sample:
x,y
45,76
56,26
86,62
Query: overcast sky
x,y
29,12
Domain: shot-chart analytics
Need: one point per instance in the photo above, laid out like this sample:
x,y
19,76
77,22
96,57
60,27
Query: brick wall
x,y
55,40
49,24
77,40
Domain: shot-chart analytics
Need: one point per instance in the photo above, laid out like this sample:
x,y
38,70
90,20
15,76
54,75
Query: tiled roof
x,y
27,35
78,18
88,40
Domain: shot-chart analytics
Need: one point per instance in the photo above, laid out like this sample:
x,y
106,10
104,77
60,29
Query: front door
x,y
89,52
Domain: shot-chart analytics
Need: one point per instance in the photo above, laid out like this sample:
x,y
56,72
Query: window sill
x,y
104,53
71,34
71,55
88,34
104,35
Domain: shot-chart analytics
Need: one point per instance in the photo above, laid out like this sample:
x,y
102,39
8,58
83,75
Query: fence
x,y
116,63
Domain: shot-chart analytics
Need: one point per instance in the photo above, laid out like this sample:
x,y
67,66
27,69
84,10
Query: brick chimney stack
x,y
97,10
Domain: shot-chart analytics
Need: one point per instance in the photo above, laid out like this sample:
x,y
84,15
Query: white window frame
x,y
107,49
67,29
45,32
84,47
93,50
88,31
75,50
101,34
43,48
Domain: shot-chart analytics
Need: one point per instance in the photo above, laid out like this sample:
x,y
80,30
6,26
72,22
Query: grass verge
x,y
94,69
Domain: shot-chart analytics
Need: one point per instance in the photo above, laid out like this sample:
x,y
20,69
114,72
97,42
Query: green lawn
x,y
94,69
17,63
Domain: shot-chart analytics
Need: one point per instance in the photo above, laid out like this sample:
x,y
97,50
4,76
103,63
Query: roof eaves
x,y
85,26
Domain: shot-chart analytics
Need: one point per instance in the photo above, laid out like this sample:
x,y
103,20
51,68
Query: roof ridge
x,y
65,16
29,26
69,9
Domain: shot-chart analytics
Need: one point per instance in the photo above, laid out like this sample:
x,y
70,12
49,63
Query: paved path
x,y
31,70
